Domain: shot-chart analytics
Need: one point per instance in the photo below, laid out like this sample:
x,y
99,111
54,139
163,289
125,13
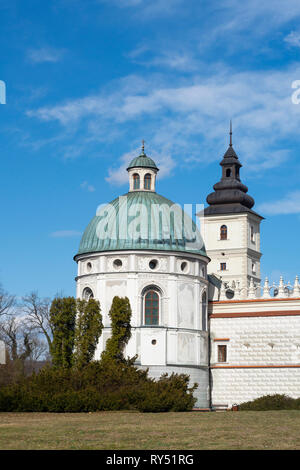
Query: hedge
x,y
100,386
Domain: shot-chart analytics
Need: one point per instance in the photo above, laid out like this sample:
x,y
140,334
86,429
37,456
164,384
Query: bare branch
x,y
7,302
37,311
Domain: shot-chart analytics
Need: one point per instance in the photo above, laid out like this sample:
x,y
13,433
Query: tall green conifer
x,y
87,331
120,314
62,320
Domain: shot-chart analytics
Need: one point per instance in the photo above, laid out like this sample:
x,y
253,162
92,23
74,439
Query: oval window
x,y
89,267
184,267
153,264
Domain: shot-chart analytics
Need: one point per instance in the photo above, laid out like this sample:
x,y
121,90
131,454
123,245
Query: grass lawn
x,y
168,431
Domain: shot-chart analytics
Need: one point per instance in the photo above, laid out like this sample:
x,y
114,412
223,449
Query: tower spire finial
x,y
143,147
230,133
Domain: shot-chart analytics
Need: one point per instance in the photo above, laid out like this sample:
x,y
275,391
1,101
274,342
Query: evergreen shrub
x,y
271,402
99,386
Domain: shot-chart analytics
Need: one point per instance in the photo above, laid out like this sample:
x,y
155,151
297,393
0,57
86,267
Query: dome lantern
x,y
142,172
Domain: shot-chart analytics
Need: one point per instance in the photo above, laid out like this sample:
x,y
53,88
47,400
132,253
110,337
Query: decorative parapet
x,y
282,290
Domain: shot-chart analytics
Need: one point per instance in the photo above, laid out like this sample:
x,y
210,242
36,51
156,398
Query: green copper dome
x,y
142,220
142,161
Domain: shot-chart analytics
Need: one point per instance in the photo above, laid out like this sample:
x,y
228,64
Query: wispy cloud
x,y
181,60
293,39
65,234
289,204
45,54
192,112
146,9
88,187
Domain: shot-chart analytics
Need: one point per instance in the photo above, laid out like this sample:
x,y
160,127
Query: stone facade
x,y
262,339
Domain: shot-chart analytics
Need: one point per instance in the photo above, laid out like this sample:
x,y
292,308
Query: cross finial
x,y
230,133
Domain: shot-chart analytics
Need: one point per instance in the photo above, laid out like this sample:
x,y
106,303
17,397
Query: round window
x,y
229,294
89,266
117,263
153,341
153,264
184,267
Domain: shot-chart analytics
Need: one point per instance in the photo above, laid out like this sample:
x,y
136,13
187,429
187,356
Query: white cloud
x,y
181,60
88,187
188,118
65,234
293,38
45,54
290,204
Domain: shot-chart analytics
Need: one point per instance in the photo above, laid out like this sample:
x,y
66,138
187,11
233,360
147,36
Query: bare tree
x,y
7,302
22,341
37,313
17,338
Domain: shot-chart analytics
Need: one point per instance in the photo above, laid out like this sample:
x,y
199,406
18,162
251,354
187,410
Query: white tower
x,y
231,229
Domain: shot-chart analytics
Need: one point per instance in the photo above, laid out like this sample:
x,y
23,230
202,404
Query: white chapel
x,y
198,305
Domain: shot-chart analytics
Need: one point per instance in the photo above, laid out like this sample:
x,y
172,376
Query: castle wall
x,y
263,353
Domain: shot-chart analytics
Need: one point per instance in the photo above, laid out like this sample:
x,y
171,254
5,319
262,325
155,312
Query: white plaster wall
x,y
210,230
238,251
232,386
197,375
153,353
255,341
258,340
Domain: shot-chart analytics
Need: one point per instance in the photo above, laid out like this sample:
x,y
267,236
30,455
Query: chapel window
x,y
136,181
87,293
151,306
147,181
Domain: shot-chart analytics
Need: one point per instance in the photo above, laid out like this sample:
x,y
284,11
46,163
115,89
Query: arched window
x,y
147,181
87,293
204,311
136,181
151,307
223,232
228,172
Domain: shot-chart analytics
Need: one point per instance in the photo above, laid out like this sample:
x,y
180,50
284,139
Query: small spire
x,y
143,147
230,133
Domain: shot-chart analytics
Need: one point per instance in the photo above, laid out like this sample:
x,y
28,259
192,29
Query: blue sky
x,y
87,80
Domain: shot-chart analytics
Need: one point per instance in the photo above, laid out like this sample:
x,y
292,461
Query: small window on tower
x,y
228,172
252,233
223,266
147,181
223,232
222,353
136,181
